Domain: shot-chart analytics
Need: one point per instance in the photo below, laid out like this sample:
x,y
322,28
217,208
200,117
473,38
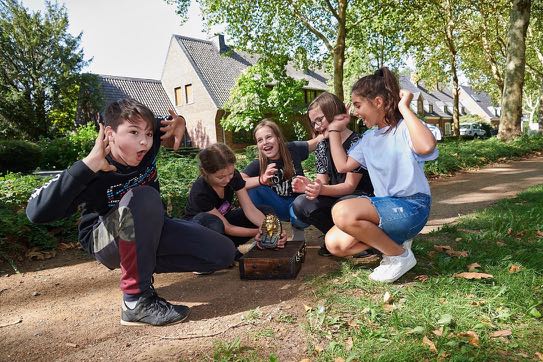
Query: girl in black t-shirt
x,y
269,178
211,197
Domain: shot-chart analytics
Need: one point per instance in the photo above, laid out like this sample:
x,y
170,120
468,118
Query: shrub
x,y
19,156
60,153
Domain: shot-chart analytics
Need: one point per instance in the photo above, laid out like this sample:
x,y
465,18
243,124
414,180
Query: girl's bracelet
x,y
334,130
260,182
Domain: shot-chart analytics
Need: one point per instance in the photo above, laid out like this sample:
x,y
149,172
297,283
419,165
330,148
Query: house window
x,y
188,94
178,97
448,130
430,108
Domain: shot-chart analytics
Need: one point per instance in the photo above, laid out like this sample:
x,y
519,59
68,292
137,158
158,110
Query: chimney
x,y
218,41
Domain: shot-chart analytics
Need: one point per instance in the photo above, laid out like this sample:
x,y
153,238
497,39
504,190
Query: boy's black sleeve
x,y
60,196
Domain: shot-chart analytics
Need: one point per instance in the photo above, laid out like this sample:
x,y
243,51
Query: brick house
x,y
197,77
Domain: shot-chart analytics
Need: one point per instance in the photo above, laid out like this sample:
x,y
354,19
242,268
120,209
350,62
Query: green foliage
x,y
62,152
19,156
443,308
262,90
40,62
16,232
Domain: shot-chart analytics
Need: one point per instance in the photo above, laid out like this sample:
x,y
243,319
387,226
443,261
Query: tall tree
x,y
514,70
437,39
39,66
318,29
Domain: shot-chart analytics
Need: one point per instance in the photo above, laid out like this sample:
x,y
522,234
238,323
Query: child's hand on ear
x,y
405,100
299,184
340,123
96,159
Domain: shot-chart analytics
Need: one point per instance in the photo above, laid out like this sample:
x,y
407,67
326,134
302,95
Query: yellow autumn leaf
x,y
473,338
473,275
473,267
429,343
502,333
514,268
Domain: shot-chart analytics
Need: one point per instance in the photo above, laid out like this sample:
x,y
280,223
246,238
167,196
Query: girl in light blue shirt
x,y
393,151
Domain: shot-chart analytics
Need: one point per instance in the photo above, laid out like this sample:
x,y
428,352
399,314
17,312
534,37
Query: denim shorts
x,y
402,218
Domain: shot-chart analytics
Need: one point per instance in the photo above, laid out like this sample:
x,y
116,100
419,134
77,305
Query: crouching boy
x,y
123,222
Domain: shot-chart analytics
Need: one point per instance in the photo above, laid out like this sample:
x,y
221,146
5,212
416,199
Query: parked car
x,y
472,130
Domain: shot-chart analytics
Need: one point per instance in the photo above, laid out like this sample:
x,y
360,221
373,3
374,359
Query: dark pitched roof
x,y
428,98
482,99
147,91
219,71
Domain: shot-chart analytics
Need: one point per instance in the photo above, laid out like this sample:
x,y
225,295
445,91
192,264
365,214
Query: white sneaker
x,y
393,267
407,244
297,234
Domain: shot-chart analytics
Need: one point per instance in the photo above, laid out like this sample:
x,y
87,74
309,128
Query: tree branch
x,y
331,8
311,28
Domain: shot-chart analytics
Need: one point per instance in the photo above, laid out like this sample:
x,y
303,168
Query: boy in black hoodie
x,y
123,223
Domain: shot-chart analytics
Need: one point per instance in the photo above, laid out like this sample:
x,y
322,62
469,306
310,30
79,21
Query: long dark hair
x,y
383,83
288,167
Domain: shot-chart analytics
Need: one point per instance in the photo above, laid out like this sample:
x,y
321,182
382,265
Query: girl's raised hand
x,y
405,99
313,190
270,172
299,184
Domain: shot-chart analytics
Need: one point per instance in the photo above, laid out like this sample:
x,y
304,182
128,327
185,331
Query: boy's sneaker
x,y
204,272
393,267
407,244
153,310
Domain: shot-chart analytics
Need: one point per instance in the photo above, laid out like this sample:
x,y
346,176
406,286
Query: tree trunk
x,y
454,69
514,71
339,49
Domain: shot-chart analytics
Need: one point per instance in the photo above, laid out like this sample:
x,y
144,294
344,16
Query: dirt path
x,y
68,308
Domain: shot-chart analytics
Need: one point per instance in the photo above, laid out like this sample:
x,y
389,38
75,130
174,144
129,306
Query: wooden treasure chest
x,y
273,264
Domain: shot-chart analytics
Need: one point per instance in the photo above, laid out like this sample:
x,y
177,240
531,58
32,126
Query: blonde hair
x,y
288,167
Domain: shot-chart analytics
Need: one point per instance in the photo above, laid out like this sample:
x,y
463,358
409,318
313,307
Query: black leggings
x,y
235,217
138,237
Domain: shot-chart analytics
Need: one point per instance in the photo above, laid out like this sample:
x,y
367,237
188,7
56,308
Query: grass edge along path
x,y
433,314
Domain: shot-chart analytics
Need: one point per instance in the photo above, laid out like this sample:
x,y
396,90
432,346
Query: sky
x,y
126,37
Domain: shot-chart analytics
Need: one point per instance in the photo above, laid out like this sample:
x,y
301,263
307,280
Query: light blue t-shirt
x,y
394,168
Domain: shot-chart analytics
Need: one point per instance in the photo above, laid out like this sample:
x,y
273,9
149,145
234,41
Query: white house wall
x,y
200,115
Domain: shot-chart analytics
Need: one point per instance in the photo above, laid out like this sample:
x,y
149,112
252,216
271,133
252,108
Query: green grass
x,y
352,321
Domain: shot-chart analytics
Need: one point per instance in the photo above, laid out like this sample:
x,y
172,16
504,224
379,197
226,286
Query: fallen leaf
x,y
388,307
509,231
514,268
478,302
473,266
539,233
458,239
472,275
438,332
349,344
500,243
431,254
473,338
422,278
36,254
539,355
319,348
442,247
443,356
339,359
307,308
67,246
71,344
429,343
445,320
305,360
461,254
387,298
502,333
352,323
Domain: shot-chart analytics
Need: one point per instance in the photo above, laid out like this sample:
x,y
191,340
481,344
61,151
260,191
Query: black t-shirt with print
x,y
299,151
203,198
325,165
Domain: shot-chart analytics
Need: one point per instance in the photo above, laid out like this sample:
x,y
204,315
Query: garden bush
x,y
19,156
60,153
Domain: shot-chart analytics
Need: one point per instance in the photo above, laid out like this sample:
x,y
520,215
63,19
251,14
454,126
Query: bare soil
x,y
68,307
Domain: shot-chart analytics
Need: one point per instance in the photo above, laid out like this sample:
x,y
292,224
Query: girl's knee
x,y
342,215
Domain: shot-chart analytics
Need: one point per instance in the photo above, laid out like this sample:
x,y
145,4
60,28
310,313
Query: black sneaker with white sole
x,y
153,310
